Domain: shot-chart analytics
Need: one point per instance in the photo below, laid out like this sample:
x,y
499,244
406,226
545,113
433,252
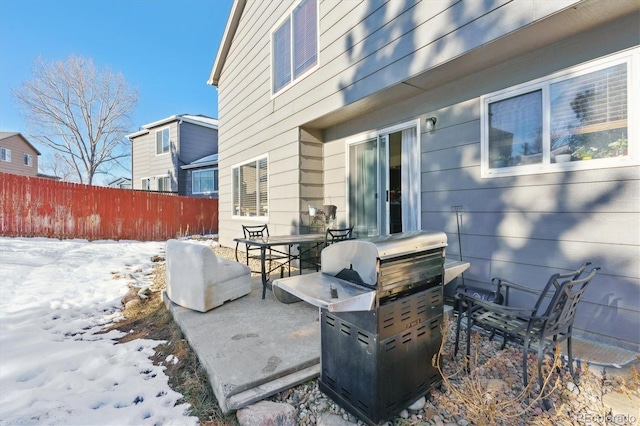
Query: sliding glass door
x,y
383,182
364,208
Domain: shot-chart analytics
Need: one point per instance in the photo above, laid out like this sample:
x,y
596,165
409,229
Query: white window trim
x,y
631,57
155,141
214,180
237,165
158,178
302,76
7,155
371,134
144,181
29,158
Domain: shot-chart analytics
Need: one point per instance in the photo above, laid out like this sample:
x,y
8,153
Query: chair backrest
x,y
554,284
255,231
334,235
559,315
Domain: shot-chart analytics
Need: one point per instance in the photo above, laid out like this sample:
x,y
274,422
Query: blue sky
x,y
164,48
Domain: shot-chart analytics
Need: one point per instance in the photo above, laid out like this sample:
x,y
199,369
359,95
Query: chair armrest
x,y
501,282
511,311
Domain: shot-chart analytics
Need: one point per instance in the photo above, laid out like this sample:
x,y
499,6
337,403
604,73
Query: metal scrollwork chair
x,y
253,231
332,236
493,295
537,329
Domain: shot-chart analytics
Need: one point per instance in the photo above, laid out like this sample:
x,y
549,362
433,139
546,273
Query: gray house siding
x,y
188,142
384,63
202,141
147,164
356,60
523,227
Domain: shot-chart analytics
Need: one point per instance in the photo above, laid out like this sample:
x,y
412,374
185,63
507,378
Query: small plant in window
x,y
618,148
585,153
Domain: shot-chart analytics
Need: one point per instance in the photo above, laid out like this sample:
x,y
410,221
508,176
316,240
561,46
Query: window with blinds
x,y
558,122
205,181
295,44
250,189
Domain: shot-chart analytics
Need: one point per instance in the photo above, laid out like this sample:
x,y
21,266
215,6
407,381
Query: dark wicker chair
x,y
537,329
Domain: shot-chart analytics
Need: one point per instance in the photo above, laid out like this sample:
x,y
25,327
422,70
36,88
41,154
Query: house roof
x,y
200,120
4,135
209,160
227,37
120,180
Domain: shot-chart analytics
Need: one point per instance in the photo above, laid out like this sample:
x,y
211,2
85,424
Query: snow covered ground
x,y
55,296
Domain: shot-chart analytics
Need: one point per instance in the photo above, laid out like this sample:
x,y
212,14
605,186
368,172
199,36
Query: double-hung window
x,y
5,154
575,119
250,188
162,141
294,44
204,181
27,159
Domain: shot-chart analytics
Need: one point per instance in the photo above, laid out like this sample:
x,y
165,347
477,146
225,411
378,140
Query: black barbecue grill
x,y
381,307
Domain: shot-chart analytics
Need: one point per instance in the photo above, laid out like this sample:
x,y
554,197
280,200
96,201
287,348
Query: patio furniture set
x,y
401,276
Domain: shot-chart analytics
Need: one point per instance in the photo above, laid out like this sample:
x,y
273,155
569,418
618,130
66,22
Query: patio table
x,y
285,244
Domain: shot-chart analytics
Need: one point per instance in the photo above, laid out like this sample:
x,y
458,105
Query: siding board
x,y
616,197
571,226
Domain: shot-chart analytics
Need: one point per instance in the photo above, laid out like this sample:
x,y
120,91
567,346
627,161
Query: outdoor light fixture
x,y
430,123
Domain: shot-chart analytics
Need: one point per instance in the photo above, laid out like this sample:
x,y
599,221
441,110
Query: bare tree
x,y
81,112
54,164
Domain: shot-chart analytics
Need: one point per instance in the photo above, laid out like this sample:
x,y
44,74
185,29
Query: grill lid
x,y
395,245
362,255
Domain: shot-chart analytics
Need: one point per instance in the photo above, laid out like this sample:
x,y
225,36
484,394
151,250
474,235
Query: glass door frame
x,y
383,224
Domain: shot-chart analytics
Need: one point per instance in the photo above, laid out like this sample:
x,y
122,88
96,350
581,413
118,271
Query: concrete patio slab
x,y
253,348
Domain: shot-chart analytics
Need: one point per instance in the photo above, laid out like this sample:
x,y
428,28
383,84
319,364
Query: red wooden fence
x,y
38,207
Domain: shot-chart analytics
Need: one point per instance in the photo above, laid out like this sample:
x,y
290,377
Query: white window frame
x,y
162,178
629,57
163,152
146,184
293,79
377,134
27,159
215,172
5,155
234,213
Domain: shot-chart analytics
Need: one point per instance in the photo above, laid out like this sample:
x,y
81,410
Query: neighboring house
x,y
121,182
17,155
202,177
328,103
161,148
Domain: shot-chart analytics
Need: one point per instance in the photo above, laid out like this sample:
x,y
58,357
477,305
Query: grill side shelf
x,y
328,292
